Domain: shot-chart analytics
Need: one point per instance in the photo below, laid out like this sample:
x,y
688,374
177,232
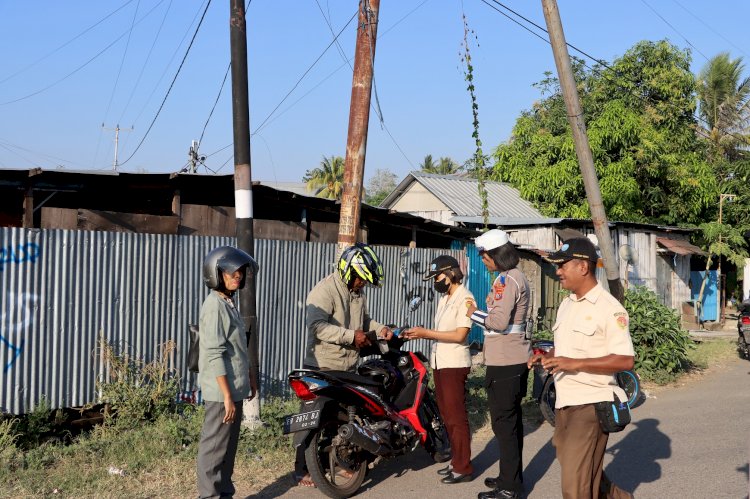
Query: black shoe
x,y
455,478
499,494
492,482
445,471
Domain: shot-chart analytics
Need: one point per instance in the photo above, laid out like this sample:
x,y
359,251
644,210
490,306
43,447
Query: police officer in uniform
x,y
506,353
592,343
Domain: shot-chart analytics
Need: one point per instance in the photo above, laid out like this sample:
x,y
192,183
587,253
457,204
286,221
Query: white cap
x,y
491,239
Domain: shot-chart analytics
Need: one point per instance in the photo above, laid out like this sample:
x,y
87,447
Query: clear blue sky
x,y
57,120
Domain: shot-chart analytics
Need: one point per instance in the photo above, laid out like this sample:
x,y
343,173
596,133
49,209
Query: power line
x,y
205,125
55,50
605,65
346,62
122,60
644,2
145,62
32,94
260,127
263,123
168,64
716,32
208,4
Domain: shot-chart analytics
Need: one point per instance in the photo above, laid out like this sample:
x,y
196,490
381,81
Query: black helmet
x,y
360,260
226,259
382,371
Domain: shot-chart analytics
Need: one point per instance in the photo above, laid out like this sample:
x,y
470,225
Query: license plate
x,y
302,421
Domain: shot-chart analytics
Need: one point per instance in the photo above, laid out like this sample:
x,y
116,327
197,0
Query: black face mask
x,y
442,286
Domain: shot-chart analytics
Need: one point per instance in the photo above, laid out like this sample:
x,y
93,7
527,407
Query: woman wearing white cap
x,y
506,352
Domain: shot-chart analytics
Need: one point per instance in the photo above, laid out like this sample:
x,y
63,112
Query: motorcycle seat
x,y
355,378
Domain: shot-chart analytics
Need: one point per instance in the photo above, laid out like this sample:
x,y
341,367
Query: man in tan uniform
x,y
592,343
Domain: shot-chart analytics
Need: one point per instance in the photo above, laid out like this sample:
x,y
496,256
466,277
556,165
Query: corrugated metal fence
x,y
62,289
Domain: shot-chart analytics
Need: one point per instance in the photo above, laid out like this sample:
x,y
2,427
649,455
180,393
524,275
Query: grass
x,y
159,457
713,352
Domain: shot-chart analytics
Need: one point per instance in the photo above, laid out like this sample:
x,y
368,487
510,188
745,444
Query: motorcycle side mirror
x,y
415,303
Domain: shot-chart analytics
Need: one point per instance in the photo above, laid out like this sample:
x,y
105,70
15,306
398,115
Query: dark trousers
x,y
580,444
506,387
450,388
217,450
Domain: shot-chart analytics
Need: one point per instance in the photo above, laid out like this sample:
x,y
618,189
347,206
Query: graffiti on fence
x,y
13,324
20,253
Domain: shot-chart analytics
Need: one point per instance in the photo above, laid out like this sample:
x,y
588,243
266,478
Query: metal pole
x,y
243,194
583,150
359,117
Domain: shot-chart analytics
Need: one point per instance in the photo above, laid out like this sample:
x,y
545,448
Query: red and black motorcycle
x,y
743,329
350,420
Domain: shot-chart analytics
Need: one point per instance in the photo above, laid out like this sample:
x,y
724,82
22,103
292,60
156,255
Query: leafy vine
x,y
479,159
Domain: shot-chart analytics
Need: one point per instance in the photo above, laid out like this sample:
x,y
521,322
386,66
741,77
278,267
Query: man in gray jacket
x,y
337,321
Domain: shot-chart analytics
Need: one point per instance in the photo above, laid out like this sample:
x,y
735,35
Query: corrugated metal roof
x,y
461,195
680,246
295,187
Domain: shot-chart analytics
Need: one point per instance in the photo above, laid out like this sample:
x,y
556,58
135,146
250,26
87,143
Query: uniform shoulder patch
x,y
622,319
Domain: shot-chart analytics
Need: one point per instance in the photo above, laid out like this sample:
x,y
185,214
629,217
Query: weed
x,y
136,390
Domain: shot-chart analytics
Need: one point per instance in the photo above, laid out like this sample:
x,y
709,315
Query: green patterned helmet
x,y
361,261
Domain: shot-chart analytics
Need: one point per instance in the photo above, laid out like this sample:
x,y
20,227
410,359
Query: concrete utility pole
x,y
583,150
243,194
117,140
359,117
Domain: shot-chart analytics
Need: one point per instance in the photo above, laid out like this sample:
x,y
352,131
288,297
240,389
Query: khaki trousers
x,y
580,444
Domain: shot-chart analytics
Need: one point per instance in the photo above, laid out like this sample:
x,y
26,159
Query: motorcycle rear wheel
x,y
437,443
330,478
547,401
628,381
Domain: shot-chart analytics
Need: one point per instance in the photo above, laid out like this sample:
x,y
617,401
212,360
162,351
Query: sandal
x,y
304,481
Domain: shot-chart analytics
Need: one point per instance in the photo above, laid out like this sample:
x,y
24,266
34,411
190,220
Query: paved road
x,y
688,442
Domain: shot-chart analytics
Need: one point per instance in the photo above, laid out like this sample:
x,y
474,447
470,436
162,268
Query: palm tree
x,y
444,166
427,165
724,104
327,180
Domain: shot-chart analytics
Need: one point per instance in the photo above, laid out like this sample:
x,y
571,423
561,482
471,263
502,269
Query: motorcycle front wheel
x,y
337,470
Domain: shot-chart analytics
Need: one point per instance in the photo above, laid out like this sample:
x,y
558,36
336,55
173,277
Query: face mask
x,y
442,286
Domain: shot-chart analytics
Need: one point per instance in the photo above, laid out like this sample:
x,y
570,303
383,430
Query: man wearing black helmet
x,y
337,321
224,369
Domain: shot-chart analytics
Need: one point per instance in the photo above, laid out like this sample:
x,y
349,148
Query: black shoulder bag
x,y
613,416
193,348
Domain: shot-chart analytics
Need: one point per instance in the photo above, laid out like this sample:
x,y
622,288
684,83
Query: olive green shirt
x,y
333,313
222,350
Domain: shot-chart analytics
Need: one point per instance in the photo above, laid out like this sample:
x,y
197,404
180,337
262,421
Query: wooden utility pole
x,y
583,150
243,193
359,117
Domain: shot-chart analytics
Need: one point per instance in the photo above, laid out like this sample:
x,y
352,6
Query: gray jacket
x,y
333,314
222,350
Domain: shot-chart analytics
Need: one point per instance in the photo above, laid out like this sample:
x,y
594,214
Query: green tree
x,y
327,180
382,183
724,105
640,120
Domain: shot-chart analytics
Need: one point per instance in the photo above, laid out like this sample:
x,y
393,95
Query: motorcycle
x,y
743,329
544,384
350,421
